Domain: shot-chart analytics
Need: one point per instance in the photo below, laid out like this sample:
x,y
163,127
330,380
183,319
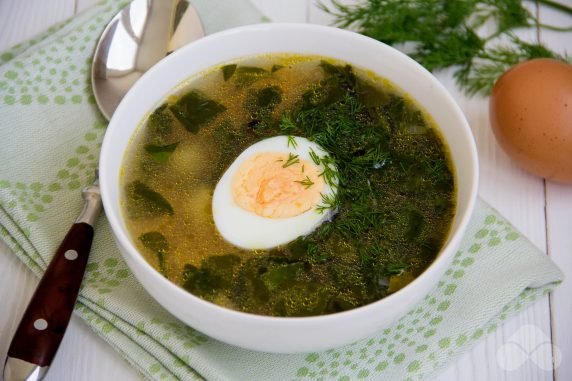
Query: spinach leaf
x,y
275,68
161,153
339,81
231,142
274,285
348,278
160,123
344,75
297,249
194,110
249,292
281,277
214,275
247,75
263,101
269,97
251,70
157,243
154,241
306,299
200,282
228,71
144,202
416,224
222,266
260,103
323,93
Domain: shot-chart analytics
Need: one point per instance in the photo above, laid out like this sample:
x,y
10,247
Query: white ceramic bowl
x,y
273,334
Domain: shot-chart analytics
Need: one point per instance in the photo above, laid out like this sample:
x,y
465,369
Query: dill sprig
x,y
314,157
286,125
329,202
444,33
292,159
306,183
292,141
330,172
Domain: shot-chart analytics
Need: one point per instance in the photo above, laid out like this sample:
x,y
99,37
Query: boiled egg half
x,y
274,192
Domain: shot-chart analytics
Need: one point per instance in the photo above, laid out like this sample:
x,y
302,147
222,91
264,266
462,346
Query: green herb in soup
x,y
388,215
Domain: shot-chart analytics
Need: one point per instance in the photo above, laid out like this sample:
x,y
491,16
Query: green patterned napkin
x,y
51,132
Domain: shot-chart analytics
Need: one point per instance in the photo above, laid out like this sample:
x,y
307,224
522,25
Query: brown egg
x,y
531,116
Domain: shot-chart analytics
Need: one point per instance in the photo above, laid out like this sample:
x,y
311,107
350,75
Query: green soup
x,y
393,208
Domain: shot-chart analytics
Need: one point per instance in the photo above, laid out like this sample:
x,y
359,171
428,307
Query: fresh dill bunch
x,y
444,33
480,75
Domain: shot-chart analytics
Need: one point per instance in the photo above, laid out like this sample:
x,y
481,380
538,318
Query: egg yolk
x,y
277,185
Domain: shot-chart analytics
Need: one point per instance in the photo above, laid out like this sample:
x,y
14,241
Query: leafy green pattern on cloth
x,y
51,133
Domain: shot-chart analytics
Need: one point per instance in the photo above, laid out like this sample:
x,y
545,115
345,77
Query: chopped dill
x,y
292,159
314,157
292,141
329,202
286,125
306,183
375,162
330,173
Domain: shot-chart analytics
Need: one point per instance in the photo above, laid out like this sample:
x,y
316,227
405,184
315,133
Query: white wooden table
x,y
540,209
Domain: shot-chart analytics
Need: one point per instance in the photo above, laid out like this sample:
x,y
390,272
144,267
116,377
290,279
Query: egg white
x,y
250,231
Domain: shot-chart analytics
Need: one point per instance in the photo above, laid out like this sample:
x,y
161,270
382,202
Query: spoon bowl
x,y
135,39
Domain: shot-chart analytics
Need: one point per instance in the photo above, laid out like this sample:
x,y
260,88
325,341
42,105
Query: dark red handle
x,y
43,325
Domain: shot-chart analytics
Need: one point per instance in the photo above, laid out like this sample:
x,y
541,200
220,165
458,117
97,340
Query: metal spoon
x,y
135,39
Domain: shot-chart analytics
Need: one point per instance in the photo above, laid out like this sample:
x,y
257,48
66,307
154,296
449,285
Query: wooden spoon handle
x,y
44,323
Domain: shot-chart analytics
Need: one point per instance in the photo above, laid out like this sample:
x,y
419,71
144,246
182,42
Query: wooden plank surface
x,y
559,221
542,212
21,20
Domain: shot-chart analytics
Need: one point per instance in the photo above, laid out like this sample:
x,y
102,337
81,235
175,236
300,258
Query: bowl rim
x,y
109,179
